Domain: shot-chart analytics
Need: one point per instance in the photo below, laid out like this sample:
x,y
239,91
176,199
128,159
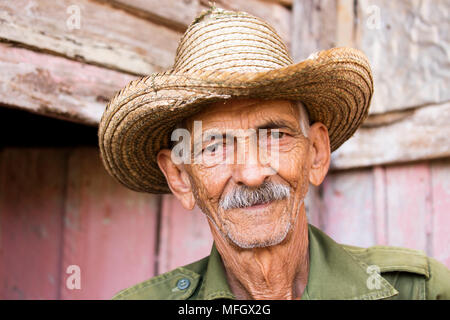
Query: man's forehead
x,y
245,114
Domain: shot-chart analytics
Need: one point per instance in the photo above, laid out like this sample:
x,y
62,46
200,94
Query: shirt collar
x,y
333,274
336,274
215,283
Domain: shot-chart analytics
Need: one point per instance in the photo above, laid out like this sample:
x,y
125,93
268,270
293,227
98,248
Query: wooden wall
x,y
58,207
389,184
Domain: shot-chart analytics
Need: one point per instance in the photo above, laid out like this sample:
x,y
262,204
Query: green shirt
x,y
336,272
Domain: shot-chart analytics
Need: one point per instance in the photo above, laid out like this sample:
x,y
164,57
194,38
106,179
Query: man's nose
x,y
250,175
250,170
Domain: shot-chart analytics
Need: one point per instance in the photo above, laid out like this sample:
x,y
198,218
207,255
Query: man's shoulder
x,y
177,284
410,271
391,259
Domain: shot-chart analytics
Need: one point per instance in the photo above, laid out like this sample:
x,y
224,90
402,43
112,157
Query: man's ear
x,y
177,178
320,153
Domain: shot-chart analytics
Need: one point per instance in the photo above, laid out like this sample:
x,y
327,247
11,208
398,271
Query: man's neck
x,y
275,272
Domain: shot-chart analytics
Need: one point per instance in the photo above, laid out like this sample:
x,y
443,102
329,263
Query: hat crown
x,y
233,41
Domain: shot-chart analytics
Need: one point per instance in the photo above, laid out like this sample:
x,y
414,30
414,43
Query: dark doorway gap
x,y
23,128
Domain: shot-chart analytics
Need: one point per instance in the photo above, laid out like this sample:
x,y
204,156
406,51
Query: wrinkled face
x,y
251,187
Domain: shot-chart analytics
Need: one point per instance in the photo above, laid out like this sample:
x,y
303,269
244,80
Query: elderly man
x,y
239,130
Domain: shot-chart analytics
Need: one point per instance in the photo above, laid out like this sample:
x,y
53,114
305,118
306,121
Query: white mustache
x,y
243,196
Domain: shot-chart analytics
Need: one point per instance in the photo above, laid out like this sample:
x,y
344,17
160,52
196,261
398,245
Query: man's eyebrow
x,y
207,135
270,124
276,124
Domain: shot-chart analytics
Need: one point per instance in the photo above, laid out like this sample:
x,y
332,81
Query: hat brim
x,y
336,87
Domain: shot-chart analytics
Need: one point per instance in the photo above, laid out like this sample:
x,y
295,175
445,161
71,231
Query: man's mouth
x,y
259,205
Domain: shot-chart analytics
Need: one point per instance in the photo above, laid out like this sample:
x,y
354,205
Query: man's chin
x,y
245,244
259,242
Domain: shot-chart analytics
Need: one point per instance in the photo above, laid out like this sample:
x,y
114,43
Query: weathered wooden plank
x,y
287,3
185,235
421,134
345,19
56,86
440,195
380,205
278,16
180,14
411,135
408,205
32,185
173,13
314,25
407,44
109,231
348,210
106,36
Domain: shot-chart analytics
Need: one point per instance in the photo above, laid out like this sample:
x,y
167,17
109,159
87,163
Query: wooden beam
x,y
55,86
348,211
408,205
185,235
440,195
314,26
380,205
106,36
175,14
179,15
110,232
345,31
32,187
286,3
407,47
421,134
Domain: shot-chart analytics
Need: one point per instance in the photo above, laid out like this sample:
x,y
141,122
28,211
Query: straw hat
x,y
225,55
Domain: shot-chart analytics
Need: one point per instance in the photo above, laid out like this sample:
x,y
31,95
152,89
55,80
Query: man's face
x,y
252,201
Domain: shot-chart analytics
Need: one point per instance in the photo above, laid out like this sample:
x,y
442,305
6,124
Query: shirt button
x,y
183,284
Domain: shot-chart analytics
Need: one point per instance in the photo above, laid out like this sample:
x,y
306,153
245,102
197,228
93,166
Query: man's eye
x,y
276,134
211,148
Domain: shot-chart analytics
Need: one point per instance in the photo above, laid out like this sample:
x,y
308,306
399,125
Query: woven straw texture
x,y
225,55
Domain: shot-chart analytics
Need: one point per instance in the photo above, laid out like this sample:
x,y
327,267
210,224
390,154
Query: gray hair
x,y
243,196
304,117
